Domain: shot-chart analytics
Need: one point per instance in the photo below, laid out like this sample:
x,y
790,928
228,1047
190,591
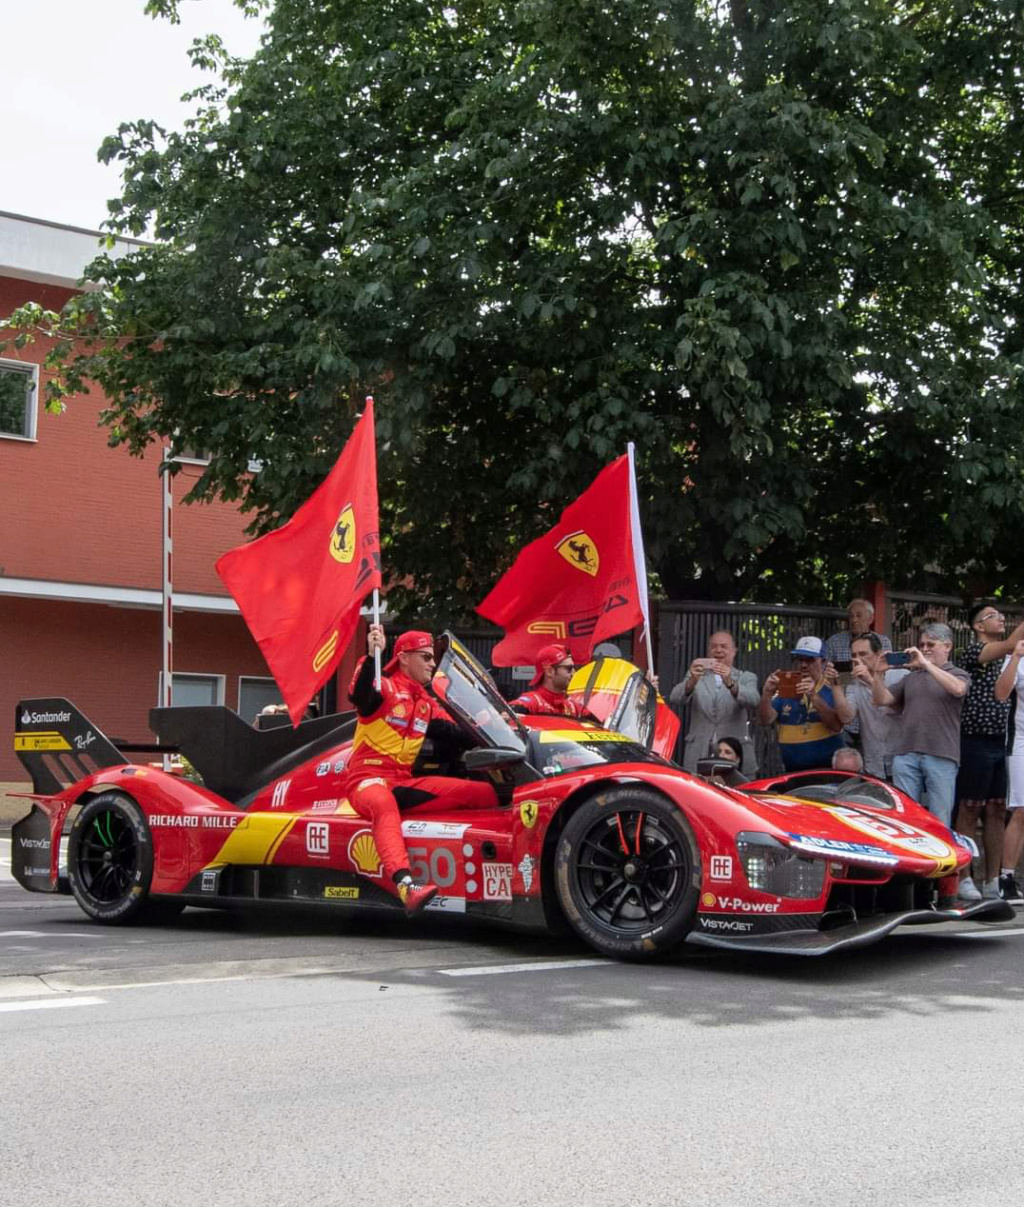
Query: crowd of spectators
x,y
946,729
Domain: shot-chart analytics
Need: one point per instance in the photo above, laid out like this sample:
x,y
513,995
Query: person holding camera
x,y
929,701
879,726
1011,684
721,698
805,702
981,782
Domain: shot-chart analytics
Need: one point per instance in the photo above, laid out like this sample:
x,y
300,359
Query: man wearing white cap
x,y
808,723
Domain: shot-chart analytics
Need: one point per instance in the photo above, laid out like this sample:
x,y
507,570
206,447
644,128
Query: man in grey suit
x,y
722,700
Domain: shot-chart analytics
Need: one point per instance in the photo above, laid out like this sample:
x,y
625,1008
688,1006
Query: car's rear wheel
x,y
110,859
627,873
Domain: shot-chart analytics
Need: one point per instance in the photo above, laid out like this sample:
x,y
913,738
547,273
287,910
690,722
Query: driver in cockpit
x,y
393,721
547,695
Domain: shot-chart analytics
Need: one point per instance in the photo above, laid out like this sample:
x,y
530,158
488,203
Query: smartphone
x,y
787,683
897,658
843,665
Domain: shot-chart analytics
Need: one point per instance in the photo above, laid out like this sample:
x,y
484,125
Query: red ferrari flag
x,y
580,582
299,588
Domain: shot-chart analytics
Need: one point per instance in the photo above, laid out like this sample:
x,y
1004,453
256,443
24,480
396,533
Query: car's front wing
x,y
810,942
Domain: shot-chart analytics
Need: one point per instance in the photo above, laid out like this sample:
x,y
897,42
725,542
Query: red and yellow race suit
x,y
392,725
542,702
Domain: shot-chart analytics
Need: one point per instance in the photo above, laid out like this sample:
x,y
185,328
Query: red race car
x,y
594,830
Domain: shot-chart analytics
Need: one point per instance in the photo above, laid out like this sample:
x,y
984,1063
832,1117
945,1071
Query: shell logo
x,y
708,899
362,851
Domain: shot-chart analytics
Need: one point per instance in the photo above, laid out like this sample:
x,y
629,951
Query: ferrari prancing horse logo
x,y
580,551
343,538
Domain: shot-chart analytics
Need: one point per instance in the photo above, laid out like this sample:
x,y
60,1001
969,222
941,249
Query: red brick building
x,y
80,543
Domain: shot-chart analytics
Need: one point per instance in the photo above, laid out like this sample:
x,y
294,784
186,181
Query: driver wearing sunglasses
x,y
393,720
547,695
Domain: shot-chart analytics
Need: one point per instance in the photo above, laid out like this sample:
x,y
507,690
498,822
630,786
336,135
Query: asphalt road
x,y
292,1058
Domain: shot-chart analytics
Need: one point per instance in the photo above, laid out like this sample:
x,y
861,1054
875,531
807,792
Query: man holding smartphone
x,y
981,783
805,707
929,701
721,698
879,725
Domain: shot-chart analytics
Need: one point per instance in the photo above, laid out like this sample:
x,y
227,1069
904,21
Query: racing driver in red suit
x,y
393,721
546,697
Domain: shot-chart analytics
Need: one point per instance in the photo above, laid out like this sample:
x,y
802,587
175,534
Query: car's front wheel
x,y
110,859
627,873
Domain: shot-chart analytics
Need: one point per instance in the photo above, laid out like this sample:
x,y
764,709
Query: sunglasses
x,y
565,666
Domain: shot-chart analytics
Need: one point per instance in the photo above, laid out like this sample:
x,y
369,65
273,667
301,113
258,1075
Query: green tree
x,y
775,242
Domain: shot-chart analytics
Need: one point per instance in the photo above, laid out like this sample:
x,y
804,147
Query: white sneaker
x,y
968,890
990,890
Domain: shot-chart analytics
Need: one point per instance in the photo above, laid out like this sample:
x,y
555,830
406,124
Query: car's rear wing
x,y
58,745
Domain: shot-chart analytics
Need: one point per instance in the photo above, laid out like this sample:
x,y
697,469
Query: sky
x,y
82,68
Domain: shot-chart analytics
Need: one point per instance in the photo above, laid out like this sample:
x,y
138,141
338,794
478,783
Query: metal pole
x,y
167,592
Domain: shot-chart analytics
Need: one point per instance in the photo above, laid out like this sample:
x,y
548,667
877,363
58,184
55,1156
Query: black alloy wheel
x,y
627,873
110,859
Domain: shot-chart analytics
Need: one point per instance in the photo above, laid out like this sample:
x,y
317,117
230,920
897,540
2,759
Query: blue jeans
x,y
917,774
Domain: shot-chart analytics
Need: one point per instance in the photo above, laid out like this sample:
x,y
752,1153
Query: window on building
x,y
19,385
188,689
254,695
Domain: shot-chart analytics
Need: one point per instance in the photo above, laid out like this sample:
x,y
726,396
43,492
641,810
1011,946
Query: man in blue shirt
x,y
808,723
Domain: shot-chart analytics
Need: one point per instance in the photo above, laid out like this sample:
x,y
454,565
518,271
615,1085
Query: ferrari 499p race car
x,y
593,830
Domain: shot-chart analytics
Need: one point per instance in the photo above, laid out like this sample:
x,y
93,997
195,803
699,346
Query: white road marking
x,y
52,1003
499,969
48,934
992,934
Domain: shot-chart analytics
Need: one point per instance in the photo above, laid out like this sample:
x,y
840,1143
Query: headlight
x,y
772,868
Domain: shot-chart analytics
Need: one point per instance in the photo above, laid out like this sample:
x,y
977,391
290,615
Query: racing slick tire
x,y
110,860
627,873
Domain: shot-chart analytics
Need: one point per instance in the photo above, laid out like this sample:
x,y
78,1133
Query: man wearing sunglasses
x,y
394,719
546,697
981,782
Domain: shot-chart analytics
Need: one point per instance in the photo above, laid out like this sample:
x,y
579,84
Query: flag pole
x,y
639,560
167,589
376,603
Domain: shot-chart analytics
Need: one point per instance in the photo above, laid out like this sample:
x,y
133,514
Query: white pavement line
x,y
48,934
498,969
52,1003
992,934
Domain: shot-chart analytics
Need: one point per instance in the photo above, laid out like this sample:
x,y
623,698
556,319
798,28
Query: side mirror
x,y
484,758
722,769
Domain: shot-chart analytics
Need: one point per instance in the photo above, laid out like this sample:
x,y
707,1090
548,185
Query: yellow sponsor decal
x,y
528,813
362,850
708,899
343,536
582,735
580,552
325,652
341,892
46,740
549,628
256,838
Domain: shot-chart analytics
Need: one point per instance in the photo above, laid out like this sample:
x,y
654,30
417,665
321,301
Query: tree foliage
x,y
777,243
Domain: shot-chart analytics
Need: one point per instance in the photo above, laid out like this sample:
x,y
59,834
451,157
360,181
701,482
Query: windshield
x,y
558,751
469,694
837,787
618,695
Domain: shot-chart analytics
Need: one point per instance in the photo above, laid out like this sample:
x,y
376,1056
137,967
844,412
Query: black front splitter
x,y
856,934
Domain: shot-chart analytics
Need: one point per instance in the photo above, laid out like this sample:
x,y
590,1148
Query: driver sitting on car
x,y
546,697
393,722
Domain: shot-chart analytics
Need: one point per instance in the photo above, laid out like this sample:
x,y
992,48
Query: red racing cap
x,y
408,643
550,655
